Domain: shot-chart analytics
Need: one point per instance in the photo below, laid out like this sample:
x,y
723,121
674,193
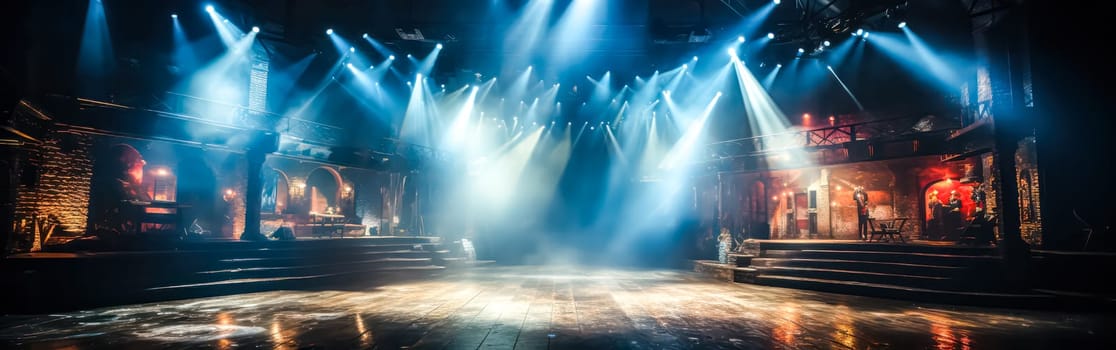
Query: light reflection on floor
x,y
566,308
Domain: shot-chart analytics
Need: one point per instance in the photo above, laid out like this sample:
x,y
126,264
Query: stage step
x,y
865,266
61,281
930,282
886,257
935,273
889,291
877,247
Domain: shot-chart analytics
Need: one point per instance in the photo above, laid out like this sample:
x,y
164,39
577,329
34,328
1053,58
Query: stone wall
x,y
55,180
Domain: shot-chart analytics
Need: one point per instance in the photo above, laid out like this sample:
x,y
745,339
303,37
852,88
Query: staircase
x,y
926,273
63,281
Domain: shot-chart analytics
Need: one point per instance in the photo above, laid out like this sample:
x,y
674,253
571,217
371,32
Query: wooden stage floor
x,y
530,307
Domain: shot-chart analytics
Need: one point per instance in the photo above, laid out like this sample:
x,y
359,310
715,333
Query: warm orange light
x,y
838,187
161,172
348,188
805,115
229,192
774,198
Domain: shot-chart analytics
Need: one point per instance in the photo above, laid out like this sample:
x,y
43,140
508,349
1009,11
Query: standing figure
x,y
953,214
978,198
934,210
861,199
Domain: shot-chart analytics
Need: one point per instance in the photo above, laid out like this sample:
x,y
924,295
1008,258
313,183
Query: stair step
x,y
879,290
914,281
866,266
878,247
906,258
249,281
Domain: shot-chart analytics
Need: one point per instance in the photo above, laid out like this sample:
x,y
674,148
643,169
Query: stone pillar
x,y
261,145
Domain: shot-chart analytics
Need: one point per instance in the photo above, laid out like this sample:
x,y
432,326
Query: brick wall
x,y
55,180
1027,176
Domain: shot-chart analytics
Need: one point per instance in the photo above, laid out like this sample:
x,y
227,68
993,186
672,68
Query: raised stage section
x,y
947,274
55,281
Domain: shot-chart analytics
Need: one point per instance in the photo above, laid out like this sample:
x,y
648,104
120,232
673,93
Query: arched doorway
x,y
947,205
323,189
276,192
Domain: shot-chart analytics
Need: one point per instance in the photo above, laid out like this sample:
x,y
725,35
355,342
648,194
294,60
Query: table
x,y
327,224
887,228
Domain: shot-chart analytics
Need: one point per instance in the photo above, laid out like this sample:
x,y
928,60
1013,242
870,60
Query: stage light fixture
x,y
826,43
209,8
391,58
777,2
255,29
740,39
352,49
439,46
866,35
732,51
174,15
860,32
409,56
329,31
778,65
365,35
771,35
694,59
902,25
801,50
350,65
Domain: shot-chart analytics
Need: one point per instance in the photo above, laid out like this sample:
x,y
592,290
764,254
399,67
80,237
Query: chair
x,y
879,231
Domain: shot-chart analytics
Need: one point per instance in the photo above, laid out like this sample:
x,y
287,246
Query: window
x,y
161,184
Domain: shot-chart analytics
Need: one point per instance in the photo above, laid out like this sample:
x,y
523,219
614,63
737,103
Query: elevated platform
x,y
55,281
928,272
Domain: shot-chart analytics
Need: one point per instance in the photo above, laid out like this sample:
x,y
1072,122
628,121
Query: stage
x,y
553,307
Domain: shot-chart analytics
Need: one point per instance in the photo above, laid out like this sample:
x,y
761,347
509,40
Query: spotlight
x,y
771,35
329,31
255,29
409,56
352,49
391,58
349,64
174,15
801,50
684,66
829,67
826,43
740,39
866,35
778,65
365,35
694,59
859,31
777,2
439,46
902,25
732,51
209,8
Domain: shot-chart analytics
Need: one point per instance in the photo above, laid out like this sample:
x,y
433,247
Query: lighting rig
x,y
820,22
